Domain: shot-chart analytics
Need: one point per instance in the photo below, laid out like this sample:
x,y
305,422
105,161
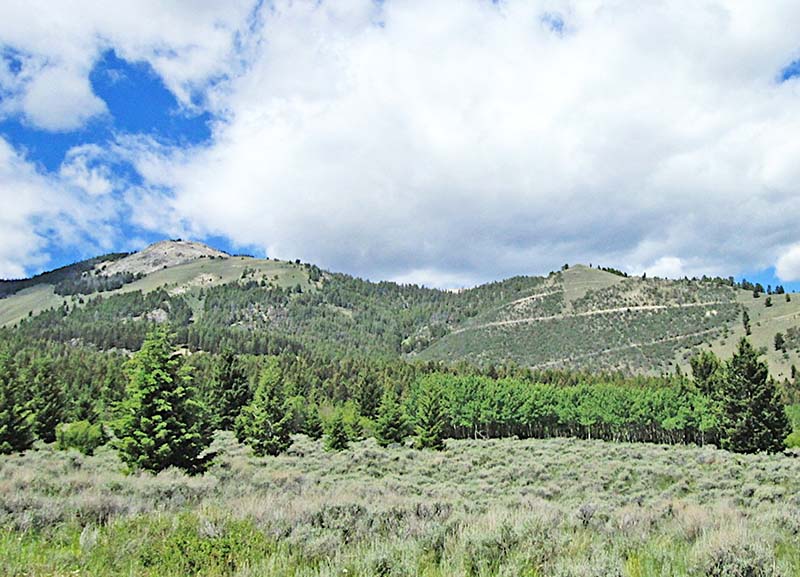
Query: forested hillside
x,y
577,317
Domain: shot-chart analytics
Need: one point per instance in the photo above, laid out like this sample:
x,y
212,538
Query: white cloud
x,y
39,210
464,139
188,44
469,139
788,266
61,99
84,169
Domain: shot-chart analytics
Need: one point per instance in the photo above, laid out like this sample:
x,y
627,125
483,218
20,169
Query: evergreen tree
x,y
48,404
313,423
430,420
230,390
368,395
706,371
780,342
160,423
337,438
16,431
392,426
265,424
768,302
753,417
746,322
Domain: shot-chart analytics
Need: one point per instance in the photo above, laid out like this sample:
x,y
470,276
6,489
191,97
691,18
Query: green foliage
x,y
706,371
230,390
48,404
160,421
265,424
81,435
480,407
313,423
16,431
779,341
392,425
430,418
753,416
337,437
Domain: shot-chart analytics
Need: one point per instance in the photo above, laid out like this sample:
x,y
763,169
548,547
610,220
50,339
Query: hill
x,y
580,317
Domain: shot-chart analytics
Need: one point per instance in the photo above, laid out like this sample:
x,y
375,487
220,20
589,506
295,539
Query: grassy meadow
x,y
557,507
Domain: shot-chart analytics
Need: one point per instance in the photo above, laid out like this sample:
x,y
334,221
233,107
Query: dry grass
x,y
558,507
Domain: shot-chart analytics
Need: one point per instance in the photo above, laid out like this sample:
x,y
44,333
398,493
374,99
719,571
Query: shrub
x,y
80,435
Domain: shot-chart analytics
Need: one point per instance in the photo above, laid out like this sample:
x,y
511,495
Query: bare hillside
x,y
161,255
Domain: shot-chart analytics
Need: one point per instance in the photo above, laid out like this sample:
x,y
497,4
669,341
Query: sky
x,y
443,143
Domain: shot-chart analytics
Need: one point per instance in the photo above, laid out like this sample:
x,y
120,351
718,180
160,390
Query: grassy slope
x,y
578,317
764,323
588,317
185,278
558,507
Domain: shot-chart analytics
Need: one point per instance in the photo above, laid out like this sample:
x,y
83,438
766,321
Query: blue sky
x,y
445,145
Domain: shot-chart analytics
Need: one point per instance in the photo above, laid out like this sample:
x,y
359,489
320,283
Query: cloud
x,y
55,46
788,266
470,139
466,140
87,168
40,210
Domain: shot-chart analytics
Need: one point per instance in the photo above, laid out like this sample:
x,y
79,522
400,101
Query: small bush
x,y
80,435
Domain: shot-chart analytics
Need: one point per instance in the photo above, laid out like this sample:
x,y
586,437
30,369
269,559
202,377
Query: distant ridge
x,y
579,317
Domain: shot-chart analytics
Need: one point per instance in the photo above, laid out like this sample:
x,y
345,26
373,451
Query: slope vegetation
x,y
579,317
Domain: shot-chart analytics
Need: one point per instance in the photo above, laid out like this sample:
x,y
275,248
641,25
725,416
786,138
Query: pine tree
x,y
48,404
753,416
160,423
313,423
746,322
392,426
16,431
337,438
780,342
430,420
706,371
265,424
230,391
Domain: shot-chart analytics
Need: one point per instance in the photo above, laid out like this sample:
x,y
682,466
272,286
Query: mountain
x,y
579,317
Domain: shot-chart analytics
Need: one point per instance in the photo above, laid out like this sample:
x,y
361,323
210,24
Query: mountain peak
x,y
159,255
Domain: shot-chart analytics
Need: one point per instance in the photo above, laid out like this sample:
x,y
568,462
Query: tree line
x,y
164,405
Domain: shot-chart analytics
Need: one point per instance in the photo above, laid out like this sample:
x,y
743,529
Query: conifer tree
x,y
313,423
16,431
48,404
706,371
392,426
337,439
160,423
430,420
265,424
753,417
230,391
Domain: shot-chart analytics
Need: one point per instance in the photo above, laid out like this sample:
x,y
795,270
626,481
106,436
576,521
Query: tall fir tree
x,y
392,425
313,423
706,370
16,430
265,424
753,416
430,420
230,390
48,403
160,421
337,437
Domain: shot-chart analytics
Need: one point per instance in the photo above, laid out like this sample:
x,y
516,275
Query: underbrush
x,y
557,507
